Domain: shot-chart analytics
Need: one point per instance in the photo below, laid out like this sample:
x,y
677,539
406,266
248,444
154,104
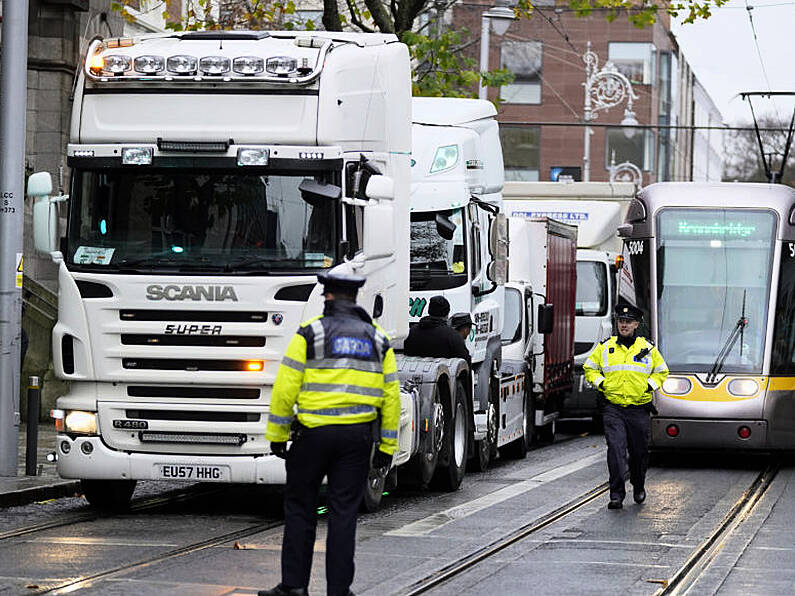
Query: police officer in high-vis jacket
x,y
626,368
336,378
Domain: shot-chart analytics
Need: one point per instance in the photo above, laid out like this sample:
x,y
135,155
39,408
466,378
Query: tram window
x,y
782,360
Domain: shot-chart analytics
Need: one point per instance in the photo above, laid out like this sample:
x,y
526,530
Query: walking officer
x,y
338,374
626,368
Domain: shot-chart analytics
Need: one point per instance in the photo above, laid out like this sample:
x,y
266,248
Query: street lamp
x,y
604,88
499,18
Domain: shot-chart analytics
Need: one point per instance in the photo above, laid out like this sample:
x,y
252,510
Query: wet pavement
x,y
590,551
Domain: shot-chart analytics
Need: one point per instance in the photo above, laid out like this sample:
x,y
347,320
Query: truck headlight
x,y
136,156
676,385
182,64
214,65
150,64
252,157
81,423
116,64
281,65
444,158
248,65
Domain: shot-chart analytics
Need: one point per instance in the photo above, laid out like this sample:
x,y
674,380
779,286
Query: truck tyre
x,y
518,448
485,448
108,495
456,441
546,433
419,471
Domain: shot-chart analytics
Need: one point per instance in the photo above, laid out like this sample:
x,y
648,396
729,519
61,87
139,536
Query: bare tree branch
x,y
381,16
355,17
331,16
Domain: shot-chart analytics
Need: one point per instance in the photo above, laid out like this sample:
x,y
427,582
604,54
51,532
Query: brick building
x,y
546,55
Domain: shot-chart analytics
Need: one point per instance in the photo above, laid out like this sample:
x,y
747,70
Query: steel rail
x,y
705,554
88,580
145,504
460,565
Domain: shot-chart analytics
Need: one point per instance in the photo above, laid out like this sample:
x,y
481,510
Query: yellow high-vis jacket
x,y
338,369
623,374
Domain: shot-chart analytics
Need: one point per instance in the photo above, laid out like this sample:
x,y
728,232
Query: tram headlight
x,y
676,385
743,387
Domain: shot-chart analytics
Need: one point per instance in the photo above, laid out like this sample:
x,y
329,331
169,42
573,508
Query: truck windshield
x,y
437,263
217,220
591,289
713,267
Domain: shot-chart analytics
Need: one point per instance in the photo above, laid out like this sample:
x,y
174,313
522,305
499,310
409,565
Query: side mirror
x,y
625,230
379,231
497,270
45,213
40,185
546,318
380,187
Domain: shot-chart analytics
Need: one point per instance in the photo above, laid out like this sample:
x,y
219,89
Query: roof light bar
x,y
116,64
248,65
215,65
182,64
150,64
194,146
281,65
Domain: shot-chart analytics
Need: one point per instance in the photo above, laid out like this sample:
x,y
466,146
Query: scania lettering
x,y
212,293
204,201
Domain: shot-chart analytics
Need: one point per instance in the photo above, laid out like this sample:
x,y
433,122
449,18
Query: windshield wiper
x,y
737,333
244,262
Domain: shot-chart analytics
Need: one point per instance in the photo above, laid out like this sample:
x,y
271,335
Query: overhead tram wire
x,y
749,9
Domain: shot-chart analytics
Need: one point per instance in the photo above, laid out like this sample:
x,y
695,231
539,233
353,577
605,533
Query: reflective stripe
x,y
379,343
598,380
294,364
349,363
653,383
661,368
643,368
389,434
390,378
362,409
340,388
280,420
589,364
320,339
605,352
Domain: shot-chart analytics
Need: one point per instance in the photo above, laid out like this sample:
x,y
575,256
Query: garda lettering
x,y
351,346
210,293
193,330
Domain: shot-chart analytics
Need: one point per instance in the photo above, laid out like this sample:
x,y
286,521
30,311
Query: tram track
x,y
72,585
703,556
677,584
146,504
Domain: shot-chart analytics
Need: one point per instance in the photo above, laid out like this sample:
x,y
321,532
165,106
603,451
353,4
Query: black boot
x,y
639,495
615,504
281,590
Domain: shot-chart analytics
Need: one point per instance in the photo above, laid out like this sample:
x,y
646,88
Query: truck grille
x,y
144,339
192,392
148,436
206,316
192,415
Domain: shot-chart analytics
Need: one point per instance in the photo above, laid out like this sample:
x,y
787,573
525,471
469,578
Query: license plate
x,y
192,472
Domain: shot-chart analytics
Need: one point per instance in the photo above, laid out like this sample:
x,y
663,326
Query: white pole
x,y
13,94
484,52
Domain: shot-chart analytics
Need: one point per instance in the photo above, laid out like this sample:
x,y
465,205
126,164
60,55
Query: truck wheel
x,y
419,471
108,495
518,448
485,448
546,433
456,441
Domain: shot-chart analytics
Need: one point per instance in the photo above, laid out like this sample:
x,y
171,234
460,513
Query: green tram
x,y
712,266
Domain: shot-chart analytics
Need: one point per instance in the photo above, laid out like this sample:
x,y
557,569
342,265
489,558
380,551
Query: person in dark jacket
x,y
434,337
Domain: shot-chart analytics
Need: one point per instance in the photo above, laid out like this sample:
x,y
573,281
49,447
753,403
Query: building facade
x,y
541,112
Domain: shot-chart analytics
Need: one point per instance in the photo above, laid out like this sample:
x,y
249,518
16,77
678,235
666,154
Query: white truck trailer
x,y
213,175
459,250
597,209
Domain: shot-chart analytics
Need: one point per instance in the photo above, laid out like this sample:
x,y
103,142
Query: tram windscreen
x,y
713,267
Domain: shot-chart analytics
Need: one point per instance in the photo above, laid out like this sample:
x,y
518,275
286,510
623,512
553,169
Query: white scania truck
x,y
459,250
597,209
213,175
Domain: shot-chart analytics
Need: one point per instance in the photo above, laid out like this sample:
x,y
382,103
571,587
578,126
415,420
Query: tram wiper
x,y
737,332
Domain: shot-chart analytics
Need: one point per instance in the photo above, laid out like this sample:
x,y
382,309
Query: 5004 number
x,y
635,247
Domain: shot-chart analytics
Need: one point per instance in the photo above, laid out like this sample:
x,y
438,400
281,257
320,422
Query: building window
x,y
635,61
523,59
521,151
637,149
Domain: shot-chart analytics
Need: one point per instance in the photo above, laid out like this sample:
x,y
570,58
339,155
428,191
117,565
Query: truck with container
x,y
213,176
538,334
597,209
459,250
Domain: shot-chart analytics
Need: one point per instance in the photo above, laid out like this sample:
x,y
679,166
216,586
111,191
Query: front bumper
x,y
103,463
707,434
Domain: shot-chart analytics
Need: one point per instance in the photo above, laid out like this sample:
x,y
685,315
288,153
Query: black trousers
x,y
341,452
626,428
